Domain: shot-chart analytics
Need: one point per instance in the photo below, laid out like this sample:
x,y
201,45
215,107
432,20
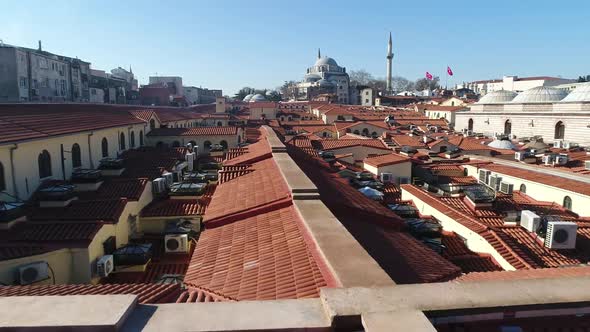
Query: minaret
x,y
319,54
389,60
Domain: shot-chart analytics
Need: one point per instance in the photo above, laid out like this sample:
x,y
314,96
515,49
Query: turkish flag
x,y
428,76
449,71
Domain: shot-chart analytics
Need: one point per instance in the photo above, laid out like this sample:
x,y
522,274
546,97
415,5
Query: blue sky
x,y
231,44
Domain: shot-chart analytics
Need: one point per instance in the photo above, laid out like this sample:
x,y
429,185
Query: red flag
x,y
449,71
428,76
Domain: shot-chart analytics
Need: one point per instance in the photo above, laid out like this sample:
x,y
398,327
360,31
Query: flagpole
x,y
447,78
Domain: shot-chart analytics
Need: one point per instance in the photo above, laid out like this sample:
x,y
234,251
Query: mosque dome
x,y
326,61
497,97
579,94
501,144
325,83
540,94
312,77
257,97
248,97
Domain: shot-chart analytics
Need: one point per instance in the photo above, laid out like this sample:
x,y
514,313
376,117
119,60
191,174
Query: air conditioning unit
x,y
519,155
506,188
561,159
190,159
189,146
169,179
587,164
176,242
159,186
561,235
404,180
105,266
547,159
495,182
33,272
530,220
569,145
386,177
558,144
484,176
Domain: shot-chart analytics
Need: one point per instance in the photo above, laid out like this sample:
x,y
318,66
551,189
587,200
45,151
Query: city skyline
x,y
253,45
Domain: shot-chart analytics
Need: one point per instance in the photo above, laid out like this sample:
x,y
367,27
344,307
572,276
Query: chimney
x,y
40,49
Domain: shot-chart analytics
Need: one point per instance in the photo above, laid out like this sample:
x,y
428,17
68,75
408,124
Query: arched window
x,y
2,179
523,188
152,124
567,203
44,161
559,130
290,119
470,125
365,132
132,140
224,144
374,134
122,142
105,147
193,143
76,156
141,138
160,145
507,127
207,144
219,124
356,132
348,130
175,144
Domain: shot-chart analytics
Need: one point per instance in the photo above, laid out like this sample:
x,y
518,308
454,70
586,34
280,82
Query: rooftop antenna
x,y
319,54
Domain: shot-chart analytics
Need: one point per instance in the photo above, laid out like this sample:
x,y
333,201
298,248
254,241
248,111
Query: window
x,y
523,188
366,101
507,127
559,130
23,82
470,125
219,124
76,156
44,162
2,179
567,203
224,144
132,140
105,147
122,142
175,144
141,138
365,132
207,144
152,124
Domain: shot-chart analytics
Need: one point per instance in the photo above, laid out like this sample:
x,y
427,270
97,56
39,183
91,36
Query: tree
x,y
289,90
423,84
360,77
244,92
583,79
273,96
401,84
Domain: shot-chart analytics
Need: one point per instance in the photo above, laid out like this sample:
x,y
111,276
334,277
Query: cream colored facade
x,y
366,129
399,170
256,112
513,83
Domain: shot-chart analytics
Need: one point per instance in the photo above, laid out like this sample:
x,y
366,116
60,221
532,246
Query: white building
x,y
325,77
545,111
512,83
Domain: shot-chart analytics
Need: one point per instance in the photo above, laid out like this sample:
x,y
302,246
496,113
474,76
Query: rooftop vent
x,y
111,166
133,254
86,179
181,190
59,195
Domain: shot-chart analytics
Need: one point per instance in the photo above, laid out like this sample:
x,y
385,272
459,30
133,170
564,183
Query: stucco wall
x,y
59,260
398,170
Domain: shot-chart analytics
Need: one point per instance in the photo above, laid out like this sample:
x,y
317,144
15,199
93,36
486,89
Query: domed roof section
x,y
326,61
312,77
497,97
580,94
540,94
248,97
257,97
501,144
325,83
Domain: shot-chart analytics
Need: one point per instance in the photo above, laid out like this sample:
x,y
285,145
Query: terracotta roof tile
x,y
331,144
194,131
130,188
386,159
263,257
108,210
173,208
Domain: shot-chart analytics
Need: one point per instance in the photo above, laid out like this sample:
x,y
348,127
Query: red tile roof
x,y
147,293
108,210
13,251
263,257
386,159
173,208
112,188
331,144
574,271
44,233
194,131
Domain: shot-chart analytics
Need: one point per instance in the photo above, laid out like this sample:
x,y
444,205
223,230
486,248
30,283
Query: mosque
x,y
325,77
550,112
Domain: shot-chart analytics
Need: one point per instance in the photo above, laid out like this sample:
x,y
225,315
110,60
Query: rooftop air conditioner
x,y
190,159
561,235
386,177
569,145
105,266
495,182
547,159
168,178
159,186
176,242
506,188
484,176
530,220
587,163
561,159
558,144
33,272
519,155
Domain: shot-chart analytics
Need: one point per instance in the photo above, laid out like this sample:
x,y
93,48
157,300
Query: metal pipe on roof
x,y
90,149
15,188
